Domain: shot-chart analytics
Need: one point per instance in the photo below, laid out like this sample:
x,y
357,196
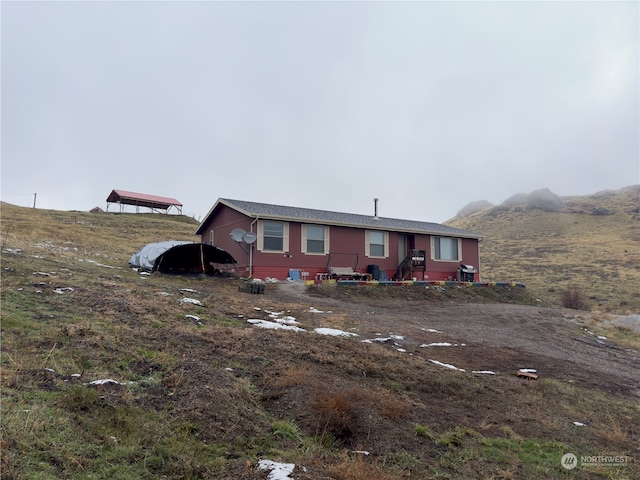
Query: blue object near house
x,y
294,275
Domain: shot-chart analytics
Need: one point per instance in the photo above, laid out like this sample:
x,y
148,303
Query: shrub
x,y
338,412
573,298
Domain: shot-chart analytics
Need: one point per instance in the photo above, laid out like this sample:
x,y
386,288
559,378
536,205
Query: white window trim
x,y
367,243
433,250
211,237
285,239
303,240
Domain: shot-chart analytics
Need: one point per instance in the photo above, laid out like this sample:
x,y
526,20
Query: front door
x,y
402,248
405,243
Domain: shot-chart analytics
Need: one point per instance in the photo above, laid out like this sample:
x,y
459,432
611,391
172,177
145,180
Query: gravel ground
x,y
556,342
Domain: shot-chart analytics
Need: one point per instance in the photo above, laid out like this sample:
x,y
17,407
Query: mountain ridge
x,y
589,242
542,199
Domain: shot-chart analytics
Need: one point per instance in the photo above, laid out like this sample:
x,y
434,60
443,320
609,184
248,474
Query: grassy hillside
x,y
593,244
110,374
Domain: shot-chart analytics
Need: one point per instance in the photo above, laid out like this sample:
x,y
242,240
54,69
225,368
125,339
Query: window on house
x,y
273,236
211,237
315,239
446,248
377,244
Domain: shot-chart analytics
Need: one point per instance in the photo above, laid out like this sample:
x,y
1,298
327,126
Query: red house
x,y
274,240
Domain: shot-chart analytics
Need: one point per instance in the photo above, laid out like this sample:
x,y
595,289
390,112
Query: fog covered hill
x,y
552,243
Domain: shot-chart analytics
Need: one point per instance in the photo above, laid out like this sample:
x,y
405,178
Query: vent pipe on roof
x,y
375,208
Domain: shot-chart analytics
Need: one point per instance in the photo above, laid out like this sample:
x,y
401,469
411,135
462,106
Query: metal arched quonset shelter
x,y
179,257
153,202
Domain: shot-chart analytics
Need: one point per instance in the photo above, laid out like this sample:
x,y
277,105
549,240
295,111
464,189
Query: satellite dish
x,y
249,237
237,234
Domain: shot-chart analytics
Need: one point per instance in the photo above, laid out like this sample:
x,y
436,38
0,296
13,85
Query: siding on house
x,y
345,240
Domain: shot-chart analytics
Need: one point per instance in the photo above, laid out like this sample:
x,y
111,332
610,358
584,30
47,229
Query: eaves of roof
x,y
268,211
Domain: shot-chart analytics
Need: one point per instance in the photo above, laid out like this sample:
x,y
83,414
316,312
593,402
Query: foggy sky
x,y
425,105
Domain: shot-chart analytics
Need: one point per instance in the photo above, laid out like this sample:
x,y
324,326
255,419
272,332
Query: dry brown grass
x,y
294,376
552,251
614,432
392,407
199,401
359,467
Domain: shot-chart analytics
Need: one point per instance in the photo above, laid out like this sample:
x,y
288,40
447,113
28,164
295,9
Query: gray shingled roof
x,y
280,212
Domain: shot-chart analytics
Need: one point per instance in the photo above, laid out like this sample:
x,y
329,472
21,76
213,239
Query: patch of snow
x,y
190,290
578,424
192,301
485,372
602,337
363,452
527,370
447,365
431,330
195,318
164,294
145,273
103,382
229,369
42,274
437,344
335,332
401,350
11,250
315,310
397,337
50,370
63,290
277,470
75,375
288,320
274,325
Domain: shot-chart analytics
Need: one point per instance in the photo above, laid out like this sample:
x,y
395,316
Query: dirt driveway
x,y
494,337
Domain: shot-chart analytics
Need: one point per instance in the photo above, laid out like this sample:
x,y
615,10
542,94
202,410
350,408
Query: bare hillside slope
x,y
589,242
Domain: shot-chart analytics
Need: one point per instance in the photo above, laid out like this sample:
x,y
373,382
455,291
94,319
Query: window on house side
x,y
273,236
446,248
211,237
377,244
315,235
